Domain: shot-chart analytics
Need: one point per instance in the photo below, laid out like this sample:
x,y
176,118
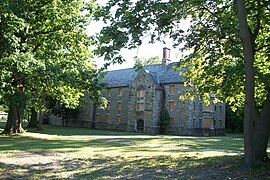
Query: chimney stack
x,y
166,56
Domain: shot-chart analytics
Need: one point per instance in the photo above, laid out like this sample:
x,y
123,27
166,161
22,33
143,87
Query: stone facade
x,y
136,101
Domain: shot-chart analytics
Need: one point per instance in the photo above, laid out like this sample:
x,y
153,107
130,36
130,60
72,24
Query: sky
x,y
146,50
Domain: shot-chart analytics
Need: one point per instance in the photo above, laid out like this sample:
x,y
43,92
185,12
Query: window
x,y
207,122
97,117
171,105
85,116
194,106
193,121
107,117
118,120
119,105
140,100
220,109
120,91
172,88
109,92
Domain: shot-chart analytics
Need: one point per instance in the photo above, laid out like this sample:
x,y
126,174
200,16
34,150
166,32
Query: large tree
x,y
44,51
227,46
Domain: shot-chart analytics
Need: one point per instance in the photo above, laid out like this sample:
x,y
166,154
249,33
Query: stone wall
x,y
115,116
151,113
179,115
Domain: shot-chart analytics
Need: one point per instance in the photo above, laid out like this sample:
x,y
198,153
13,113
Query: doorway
x,y
140,125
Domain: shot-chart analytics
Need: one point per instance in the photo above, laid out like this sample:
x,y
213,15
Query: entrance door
x,y
140,125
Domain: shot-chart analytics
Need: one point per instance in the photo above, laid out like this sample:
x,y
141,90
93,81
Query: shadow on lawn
x,y
71,131
160,167
29,144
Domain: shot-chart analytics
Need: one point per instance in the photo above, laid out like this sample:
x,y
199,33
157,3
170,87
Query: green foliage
x,y
67,114
140,62
165,120
2,108
214,62
45,51
235,120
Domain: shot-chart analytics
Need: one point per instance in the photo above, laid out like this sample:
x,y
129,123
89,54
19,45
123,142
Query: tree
x,y
140,62
228,45
44,51
165,120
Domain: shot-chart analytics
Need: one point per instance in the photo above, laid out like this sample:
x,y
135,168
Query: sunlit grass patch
x,y
80,153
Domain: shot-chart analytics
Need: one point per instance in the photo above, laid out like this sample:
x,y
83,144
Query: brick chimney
x,y
166,57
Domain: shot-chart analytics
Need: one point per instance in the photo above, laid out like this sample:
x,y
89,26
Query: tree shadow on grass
x,y
158,167
30,144
71,131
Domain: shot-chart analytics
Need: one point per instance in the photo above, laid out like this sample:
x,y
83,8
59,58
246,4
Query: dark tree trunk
x,y
40,121
14,121
20,114
262,129
94,115
33,119
250,106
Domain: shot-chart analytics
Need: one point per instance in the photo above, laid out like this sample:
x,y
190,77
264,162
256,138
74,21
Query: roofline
x,y
115,87
172,83
134,68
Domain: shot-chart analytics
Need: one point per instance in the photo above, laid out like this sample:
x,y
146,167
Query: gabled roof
x,y
160,75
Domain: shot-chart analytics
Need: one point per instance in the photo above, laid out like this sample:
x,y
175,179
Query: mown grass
x,y
78,153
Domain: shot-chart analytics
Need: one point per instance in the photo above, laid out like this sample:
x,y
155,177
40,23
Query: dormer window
x,y
140,99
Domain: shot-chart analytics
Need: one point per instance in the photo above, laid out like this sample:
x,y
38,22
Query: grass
x,y
78,153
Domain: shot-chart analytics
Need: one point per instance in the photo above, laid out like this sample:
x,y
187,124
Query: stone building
x,y
136,101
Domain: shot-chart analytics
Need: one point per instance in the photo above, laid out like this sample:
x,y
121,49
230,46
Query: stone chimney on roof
x,y
166,57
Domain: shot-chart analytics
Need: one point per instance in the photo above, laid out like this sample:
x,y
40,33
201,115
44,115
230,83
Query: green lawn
x,y
77,153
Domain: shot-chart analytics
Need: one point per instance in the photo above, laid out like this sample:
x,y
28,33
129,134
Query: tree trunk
x,y
14,121
19,128
11,120
40,121
250,106
262,129
33,119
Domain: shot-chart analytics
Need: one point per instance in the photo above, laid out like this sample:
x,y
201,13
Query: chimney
x,y
166,57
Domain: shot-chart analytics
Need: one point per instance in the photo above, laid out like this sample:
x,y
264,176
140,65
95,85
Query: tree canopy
x,y
140,62
218,61
45,51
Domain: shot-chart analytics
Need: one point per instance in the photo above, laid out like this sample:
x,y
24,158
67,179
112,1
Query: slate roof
x,y
160,75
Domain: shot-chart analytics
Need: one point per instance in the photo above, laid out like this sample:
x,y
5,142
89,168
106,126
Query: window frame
x,y
172,89
118,118
171,102
119,105
120,91
109,92
140,96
